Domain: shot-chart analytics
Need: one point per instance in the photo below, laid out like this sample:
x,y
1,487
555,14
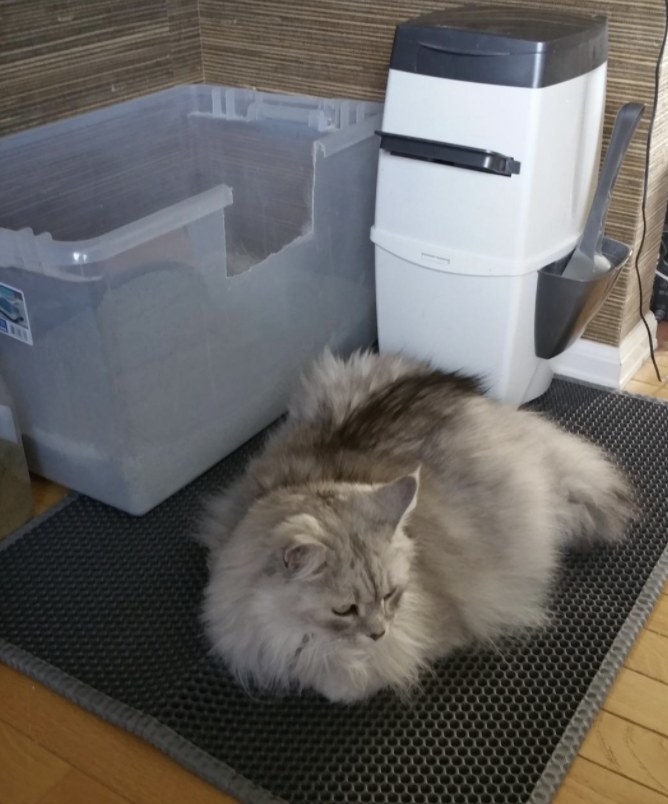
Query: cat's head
x,y
339,557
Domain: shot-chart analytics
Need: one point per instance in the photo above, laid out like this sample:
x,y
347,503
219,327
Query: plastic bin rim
x,y
51,254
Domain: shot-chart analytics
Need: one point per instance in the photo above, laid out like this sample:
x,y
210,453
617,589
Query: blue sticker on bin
x,y
14,320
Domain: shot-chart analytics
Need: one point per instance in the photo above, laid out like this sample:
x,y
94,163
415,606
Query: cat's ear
x,y
399,497
305,555
305,559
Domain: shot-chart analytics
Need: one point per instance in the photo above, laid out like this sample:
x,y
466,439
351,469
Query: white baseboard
x,y
609,366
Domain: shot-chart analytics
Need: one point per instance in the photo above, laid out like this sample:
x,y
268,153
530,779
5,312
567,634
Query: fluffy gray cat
x,y
396,515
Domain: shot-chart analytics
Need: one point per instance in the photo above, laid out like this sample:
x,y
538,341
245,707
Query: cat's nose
x,y
377,635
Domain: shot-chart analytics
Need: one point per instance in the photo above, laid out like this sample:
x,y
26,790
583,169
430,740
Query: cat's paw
x,y
341,688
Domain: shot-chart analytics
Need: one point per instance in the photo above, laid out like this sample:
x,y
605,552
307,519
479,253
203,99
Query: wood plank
x,y
647,374
658,620
650,656
27,771
118,760
640,700
77,788
588,783
631,750
45,493
636,386
661,357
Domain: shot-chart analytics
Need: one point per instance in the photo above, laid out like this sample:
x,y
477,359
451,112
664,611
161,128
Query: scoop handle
x,y
625,127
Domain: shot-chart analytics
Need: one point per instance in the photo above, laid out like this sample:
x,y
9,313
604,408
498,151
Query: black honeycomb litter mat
x,y
103,608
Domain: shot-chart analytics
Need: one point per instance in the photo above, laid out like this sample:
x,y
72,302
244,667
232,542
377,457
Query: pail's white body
x,y
458,250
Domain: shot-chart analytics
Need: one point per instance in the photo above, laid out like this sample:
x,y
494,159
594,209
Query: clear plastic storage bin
x,y
167,268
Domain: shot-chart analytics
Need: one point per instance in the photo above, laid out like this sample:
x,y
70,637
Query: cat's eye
x,y
349,612
390,594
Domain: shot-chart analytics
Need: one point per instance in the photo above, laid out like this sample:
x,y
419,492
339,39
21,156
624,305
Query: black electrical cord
x,y
657,76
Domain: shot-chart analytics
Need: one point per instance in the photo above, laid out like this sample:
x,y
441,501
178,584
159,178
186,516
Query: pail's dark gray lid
x,y
518,47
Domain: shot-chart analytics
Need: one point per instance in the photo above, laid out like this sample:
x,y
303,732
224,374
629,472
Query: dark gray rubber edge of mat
x,y
225,778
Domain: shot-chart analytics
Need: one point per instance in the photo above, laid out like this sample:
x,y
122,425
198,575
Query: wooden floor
x,y
52,752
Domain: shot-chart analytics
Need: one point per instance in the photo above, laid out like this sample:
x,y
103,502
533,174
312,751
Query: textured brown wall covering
x,y
60,57
342,47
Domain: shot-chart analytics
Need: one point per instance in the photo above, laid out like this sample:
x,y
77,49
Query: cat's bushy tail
x,y
598,500
333,387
